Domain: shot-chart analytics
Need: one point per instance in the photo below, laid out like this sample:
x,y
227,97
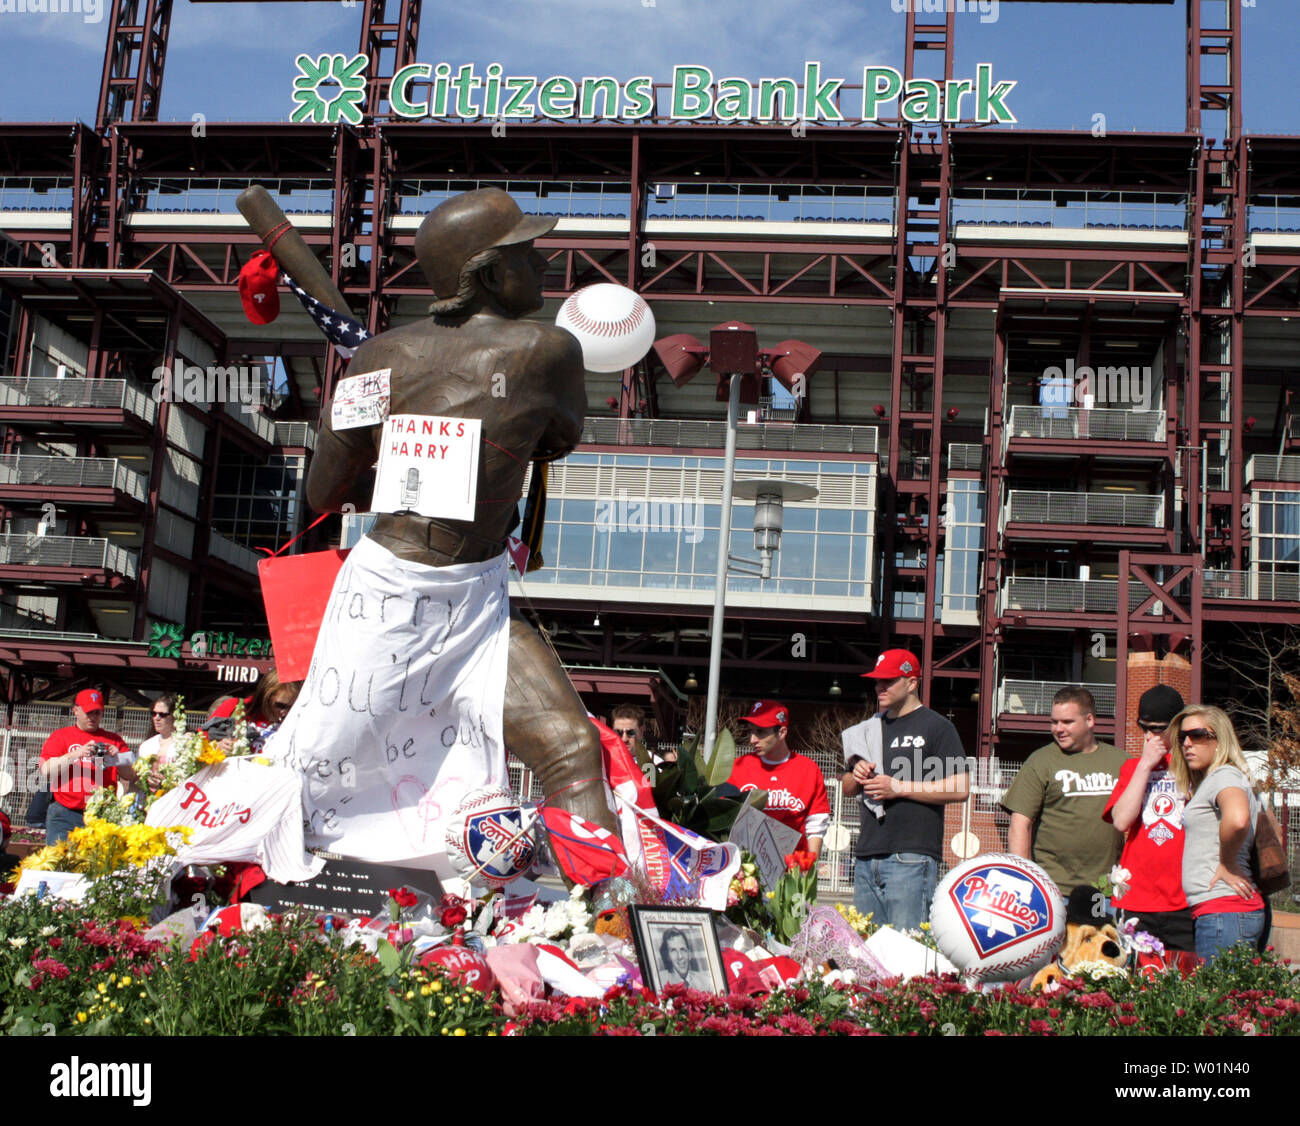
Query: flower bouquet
x,y
191,752
126,866
793,896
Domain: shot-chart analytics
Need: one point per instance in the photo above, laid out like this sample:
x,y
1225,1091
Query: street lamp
x,y
738,362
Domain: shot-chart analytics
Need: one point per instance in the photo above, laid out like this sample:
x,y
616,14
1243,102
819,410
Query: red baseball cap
x,y
895,663
768,713
89,700
258,281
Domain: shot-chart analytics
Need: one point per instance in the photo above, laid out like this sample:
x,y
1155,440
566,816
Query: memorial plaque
x,y
346,887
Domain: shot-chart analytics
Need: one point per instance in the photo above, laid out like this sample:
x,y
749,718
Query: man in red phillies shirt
x,y
1148,809
796,792
72,765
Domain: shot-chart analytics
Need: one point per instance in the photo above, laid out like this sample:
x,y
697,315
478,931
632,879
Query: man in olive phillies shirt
x,y
796,791
1148,809
71,765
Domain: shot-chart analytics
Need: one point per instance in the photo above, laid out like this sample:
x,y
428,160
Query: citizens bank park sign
x,y
332,88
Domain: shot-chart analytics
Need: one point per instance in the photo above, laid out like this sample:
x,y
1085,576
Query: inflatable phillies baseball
x,y
998,917
485,839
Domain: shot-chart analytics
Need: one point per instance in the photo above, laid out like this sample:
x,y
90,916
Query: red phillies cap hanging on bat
x,y
258,282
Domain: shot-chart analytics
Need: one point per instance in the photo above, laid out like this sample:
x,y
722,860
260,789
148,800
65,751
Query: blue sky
x,y
236,61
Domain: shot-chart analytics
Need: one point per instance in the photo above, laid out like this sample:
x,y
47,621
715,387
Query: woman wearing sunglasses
x,y
1219,820
159,744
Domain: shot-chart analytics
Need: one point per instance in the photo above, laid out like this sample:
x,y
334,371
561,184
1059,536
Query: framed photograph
x,y
678,946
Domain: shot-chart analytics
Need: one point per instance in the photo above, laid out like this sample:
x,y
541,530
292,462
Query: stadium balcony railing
x,y
803,436
34,550
71,472
78,392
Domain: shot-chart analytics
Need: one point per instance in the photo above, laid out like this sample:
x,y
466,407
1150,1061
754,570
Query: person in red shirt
x,y
796,791
73,765
1147,807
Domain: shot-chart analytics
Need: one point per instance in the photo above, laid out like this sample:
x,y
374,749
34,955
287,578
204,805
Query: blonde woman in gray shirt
x,y
1219,820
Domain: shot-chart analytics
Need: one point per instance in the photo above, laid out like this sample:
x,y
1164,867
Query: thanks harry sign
x,y
428,465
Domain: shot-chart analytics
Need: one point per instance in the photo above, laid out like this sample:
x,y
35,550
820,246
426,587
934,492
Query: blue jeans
x,y
895,890
60,821
1216,933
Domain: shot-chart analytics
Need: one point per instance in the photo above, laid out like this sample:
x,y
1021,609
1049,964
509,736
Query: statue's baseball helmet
x,y
465,225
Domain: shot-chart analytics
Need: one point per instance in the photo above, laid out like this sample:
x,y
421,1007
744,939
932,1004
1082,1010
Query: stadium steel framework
x,y
950,323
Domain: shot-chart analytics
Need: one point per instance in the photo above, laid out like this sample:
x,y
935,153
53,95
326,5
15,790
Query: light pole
x,y
769,495
735,357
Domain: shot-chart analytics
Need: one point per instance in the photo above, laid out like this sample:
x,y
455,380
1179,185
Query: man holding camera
x,y
78,760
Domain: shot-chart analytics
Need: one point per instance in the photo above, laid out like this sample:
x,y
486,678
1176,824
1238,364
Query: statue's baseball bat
x,y
278,235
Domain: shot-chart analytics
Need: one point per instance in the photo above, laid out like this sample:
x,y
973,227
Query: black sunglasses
x,y
161,715
1197,735
1152,728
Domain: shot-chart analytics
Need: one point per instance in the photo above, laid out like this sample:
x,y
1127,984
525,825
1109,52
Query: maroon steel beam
x,y
130,87
382,33
994,550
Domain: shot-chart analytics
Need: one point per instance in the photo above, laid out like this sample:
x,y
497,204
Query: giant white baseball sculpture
x,y
614,326
998,917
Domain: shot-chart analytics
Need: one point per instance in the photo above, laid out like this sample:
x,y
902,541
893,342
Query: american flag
x,y
586,853
339,328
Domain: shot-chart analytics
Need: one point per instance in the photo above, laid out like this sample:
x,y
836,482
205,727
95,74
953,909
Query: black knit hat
x,y
1159,705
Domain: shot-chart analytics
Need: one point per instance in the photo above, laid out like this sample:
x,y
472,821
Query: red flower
x,y
453,916
402,897
804,861
52,967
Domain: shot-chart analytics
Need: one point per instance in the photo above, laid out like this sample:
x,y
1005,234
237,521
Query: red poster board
x,y
296,589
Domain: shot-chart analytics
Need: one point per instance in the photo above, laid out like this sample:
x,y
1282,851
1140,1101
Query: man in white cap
x,y
906,763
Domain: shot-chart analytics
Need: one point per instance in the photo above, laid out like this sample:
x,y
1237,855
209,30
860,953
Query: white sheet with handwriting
x,y
401,712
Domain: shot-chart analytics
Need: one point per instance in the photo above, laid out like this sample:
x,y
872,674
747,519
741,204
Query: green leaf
x,y
667,785
756,798
389,959
722,760
692,771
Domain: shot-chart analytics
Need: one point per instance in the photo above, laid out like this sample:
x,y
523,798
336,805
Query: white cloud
x,y
82,31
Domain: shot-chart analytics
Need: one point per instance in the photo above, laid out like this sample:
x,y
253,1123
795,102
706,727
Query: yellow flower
x,y
211,754
459,1032
81,1018
436,987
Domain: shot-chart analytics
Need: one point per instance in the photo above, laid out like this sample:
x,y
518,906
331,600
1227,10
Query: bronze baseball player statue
x,y
476,357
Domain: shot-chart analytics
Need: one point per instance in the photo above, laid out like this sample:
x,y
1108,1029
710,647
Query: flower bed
x,y
64,972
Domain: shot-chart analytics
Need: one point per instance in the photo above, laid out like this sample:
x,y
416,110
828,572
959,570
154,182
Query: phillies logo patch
x,y
1001,907
492,831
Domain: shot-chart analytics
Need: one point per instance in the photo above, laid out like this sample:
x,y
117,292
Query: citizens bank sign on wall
x,y
331,88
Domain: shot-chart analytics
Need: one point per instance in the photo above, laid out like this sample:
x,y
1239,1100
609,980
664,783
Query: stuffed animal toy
x,y
1088,938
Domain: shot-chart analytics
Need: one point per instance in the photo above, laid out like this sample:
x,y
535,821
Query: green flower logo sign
x,y
329,88
165,639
